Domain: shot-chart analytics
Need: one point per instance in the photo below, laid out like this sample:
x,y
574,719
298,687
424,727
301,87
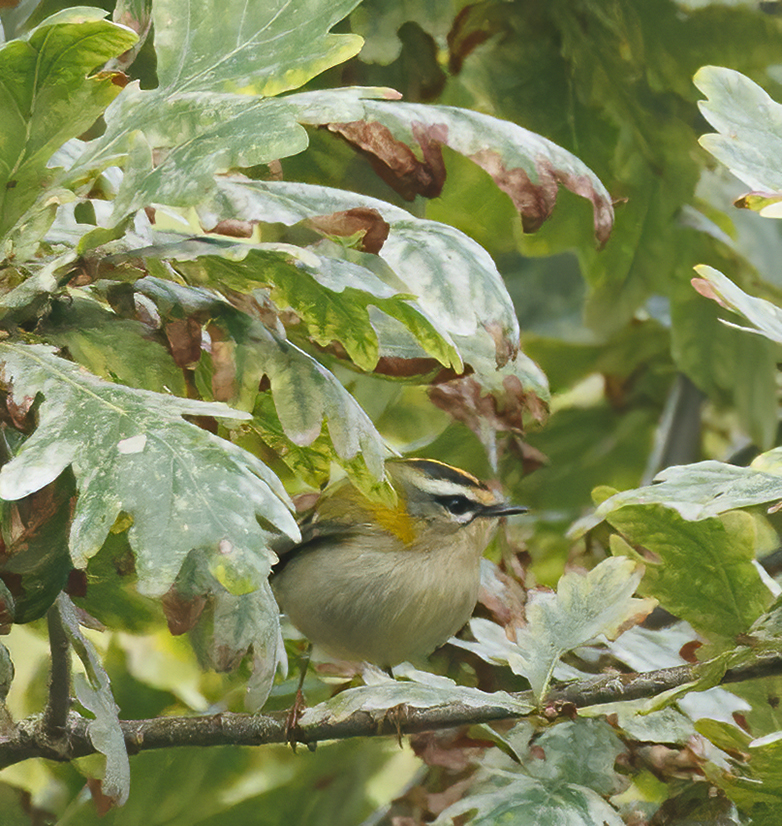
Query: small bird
x,y
385,584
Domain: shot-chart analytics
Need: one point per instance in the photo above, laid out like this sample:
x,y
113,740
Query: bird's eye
x,y
457,505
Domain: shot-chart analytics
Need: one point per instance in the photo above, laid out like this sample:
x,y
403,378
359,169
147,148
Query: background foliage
x,y
235,265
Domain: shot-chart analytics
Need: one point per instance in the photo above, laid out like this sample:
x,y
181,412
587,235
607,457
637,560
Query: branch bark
x,y
31,736
55,716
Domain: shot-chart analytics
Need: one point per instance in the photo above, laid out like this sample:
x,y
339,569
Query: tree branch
x,y
31,739
55,716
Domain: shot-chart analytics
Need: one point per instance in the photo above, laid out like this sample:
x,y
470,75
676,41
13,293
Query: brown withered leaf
x,y
103,802
394,161
223,365
422,366
531,458
505,598
182,614
351,221
535,201
474,25
463,398
184,339
233,227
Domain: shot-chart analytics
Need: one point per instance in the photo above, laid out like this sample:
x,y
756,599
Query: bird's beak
x,y
502,509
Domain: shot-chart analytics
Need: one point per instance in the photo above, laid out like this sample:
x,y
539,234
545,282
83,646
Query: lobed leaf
x,y
526,166
93,690
454,281
131,451
553,784
699,491
703,572
583,608
332,296
48,94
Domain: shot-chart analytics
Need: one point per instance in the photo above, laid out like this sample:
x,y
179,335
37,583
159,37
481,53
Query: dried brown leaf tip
x,y
394,161
353,221
474,25
182,614
465,401
535,201
234,228
184,340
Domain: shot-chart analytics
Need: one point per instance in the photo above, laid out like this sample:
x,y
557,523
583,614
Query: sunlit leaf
x,y
699,491
183,487
583,607
748,124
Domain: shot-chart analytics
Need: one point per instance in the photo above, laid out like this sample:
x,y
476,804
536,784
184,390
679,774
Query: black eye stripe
x,y
456,504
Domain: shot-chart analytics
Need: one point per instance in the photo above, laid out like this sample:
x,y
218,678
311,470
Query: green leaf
x,y
233,624
255,48
751,779
377,699
527,167
49,94
93,690
765,317
113,348
748,124
731,367
332,296
305,394
33,294
702,572
218,66
555,783
454,281
130,450
6,672
583,607
35,539
700,490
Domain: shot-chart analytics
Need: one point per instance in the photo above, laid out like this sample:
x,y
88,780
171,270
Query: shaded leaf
x,y
93,691
332,296
702,572
454,281
765,317
35,559
113,348
49,95
554,783
201,491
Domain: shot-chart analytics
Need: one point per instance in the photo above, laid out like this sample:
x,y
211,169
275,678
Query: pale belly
x,y
381,607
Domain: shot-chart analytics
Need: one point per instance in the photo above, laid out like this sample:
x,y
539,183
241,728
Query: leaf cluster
x,y
236,265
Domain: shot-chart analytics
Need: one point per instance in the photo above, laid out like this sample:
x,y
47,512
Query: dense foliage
x,y
237,263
